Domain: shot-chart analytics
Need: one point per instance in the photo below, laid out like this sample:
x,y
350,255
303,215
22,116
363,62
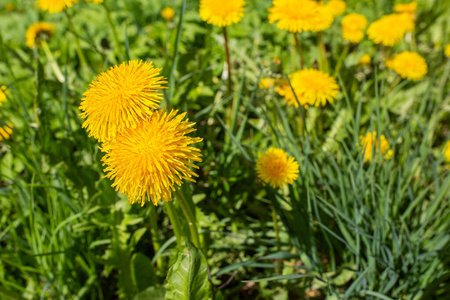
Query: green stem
x,y
170,210
299,48
155,236
189,218
114,31
277,237
77,42
341,59
59,75
323,53
227,54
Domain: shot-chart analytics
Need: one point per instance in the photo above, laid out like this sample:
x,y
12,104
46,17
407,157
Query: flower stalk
x,y
227,54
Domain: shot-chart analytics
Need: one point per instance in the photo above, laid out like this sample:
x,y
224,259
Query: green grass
x,y
346,229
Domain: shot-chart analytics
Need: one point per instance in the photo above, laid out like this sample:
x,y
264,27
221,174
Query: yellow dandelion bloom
x,y
312,88
353,26
266,83
300,15
37,32
222,12
6,131
408,65
336,7
446,151
54,6
275,168
370,143
365,60
3,94
152,158
121,98
95,1
447,50
168,13
390,29
408,8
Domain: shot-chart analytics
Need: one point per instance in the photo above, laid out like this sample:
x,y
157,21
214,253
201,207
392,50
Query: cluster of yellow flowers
x,y
147,149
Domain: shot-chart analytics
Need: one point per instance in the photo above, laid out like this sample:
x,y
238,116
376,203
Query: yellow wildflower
x,y
390,29
38,32
54,6
408,65
152,158
275,168
168,13
370,143
222,12
353,26
121,98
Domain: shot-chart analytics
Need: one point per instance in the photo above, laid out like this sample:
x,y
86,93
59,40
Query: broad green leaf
x,y
152,293
143,271
188,276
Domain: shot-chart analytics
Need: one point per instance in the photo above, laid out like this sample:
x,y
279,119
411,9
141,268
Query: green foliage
x,y
344,230
188,276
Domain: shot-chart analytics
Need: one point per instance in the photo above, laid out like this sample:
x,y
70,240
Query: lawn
x,y
224,149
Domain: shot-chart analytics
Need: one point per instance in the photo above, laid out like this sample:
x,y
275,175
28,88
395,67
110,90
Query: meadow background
x,y
344,230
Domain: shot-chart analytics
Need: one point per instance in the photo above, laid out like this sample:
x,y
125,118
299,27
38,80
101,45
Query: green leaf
x,y
153,293
143,272
188,276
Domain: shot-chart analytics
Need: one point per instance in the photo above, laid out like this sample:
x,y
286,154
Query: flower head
x,y
300,15
408,65
95,1
371,147
222,12
274,167
446,151
9,7
365,60
152,158
54,6
3,94
390,29
312,88
121,98
447,50
40,31
407,8
266,83
353,26
336,7
6,131
168,13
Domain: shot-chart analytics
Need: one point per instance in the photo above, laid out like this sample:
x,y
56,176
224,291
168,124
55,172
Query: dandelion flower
x,y
266,83
370,143
9,7
3,94
54,6
390,29
40,31
6,131
95,1
168,13
312,88
353,26
365,60
222,12
336,7
407,8
274,167
152,158
300,15
446,151
121,98
408,65
447,50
